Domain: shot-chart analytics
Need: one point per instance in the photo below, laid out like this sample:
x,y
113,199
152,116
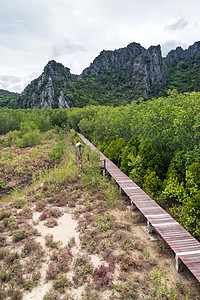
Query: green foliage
x,y
188,213
7,98
149,161
24,120
2,184
193,178
19,203
58,151
130,152
115,149
60,283
19,235
30,139
152,183
157,141
49,135
12,138
184,75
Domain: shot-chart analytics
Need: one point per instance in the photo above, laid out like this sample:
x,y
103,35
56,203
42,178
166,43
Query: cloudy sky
x,y
73,32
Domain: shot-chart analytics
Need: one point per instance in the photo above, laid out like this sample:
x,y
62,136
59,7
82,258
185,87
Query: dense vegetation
x,y
7,98
156,143
184,76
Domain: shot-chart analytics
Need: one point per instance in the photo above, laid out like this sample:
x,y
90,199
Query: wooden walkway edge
x,y
184,245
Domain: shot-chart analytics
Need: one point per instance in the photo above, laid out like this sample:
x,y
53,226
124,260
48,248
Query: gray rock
x,y
176,56
47,89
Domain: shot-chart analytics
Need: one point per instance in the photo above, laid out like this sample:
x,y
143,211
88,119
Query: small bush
x,y
12,138
51,223
16,295
4,213
4,275
72,242
51,296
2,240
40,205
127,290
49,135
49,242
13,225
28,285
101,277
19,203
26,212
58,151
30,139
55,212
30,246
11,257
19,235
64,258
44,215
52,271
60,283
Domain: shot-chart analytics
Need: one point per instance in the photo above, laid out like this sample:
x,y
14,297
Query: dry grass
x,y
110,259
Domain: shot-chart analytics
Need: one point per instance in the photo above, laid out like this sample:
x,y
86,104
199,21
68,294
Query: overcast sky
x,y
73,32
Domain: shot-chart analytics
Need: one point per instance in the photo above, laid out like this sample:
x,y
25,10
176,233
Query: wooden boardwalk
x,y
184,245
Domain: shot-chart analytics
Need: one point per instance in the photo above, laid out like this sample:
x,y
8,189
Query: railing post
x,y
178,264
133,206
150,228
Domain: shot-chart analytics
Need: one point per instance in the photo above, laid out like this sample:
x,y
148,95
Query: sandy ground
x,y
65,230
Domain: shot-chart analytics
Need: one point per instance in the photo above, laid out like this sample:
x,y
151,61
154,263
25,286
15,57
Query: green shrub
x,y
19,203
60,283
12,138
49,135
4,214
30,139
50,296
2,184
19,235
58,151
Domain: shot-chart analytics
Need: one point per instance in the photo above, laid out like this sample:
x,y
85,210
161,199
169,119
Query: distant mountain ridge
x,y
115,77
176,56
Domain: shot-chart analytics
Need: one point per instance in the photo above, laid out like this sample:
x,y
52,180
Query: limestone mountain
x,y
183,68
174,57
51,89
129,72
113,59
115,78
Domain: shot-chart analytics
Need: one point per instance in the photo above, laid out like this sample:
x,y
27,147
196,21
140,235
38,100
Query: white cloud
x,y
171,45
65,47
74,32
180,24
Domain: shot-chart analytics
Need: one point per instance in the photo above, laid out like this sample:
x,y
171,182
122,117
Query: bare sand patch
x,y
65,230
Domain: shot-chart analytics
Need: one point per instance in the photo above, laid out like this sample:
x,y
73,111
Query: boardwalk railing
x,y
184,245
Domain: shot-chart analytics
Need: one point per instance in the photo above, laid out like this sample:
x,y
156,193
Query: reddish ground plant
x,y
52,270
51,222
101,277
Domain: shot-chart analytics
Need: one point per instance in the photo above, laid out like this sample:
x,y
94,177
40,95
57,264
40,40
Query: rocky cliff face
x,y
144,69
113,59
48,90
149,74
115,77
176,56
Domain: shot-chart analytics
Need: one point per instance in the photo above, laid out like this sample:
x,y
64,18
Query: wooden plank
x,y
184,245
